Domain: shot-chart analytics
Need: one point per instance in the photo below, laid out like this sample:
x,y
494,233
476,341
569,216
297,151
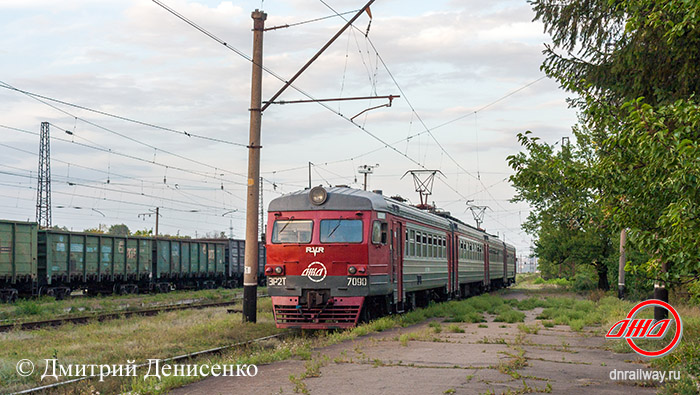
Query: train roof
x,y
346,198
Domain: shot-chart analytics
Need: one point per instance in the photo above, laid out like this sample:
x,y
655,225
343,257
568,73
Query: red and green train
x,y
340,255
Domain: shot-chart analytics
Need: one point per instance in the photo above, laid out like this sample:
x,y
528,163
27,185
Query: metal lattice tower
x,y
43,190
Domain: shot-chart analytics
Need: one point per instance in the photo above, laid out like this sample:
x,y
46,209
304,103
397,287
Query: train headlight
x,y
352,270
279,270
318,195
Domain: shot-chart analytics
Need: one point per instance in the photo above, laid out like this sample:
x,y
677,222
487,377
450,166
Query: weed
x,y
454,328
529,329
299,384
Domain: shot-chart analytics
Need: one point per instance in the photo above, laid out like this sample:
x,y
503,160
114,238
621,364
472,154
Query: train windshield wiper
x,y
333,230
284,227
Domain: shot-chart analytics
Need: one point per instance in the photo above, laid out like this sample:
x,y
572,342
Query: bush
x,y
585,279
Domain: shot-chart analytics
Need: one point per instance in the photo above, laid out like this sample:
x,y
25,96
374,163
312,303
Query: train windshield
x,y
292,231
341,231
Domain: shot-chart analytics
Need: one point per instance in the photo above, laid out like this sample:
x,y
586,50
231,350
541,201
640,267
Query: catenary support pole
x,y
250,276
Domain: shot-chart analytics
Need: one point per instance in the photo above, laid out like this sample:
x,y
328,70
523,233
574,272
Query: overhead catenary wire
x,y
361,127
120,117
153,162
133,139
426,129
307,21
277,76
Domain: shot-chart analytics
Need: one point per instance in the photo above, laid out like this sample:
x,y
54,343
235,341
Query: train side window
x,y
418,245
406,247
412,240
380,232
430,246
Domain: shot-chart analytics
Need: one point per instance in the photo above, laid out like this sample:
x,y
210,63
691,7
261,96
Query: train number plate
x,y
357,281
276,281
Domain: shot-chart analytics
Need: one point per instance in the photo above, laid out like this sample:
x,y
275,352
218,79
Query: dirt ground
x,y
492,357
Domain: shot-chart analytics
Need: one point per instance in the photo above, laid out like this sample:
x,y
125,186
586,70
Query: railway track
x,y
171,359
110,315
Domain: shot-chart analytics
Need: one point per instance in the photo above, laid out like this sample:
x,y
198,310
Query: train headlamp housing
x,y
352,270
318,195
279,270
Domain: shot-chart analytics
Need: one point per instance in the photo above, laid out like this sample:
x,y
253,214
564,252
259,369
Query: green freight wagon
x,y
18,259
95,263
235,261
188,263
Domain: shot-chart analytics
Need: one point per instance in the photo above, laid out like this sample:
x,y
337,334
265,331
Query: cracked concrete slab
x,y
487,358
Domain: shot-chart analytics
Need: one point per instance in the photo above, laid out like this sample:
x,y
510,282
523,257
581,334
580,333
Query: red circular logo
x,y
676,338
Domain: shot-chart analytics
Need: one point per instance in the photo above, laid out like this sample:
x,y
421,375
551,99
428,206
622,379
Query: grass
x,y
177,332
45,307
454,328
136,338
529,329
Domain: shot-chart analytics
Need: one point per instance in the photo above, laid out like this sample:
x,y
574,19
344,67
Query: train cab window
x,y
380,232
296,231
341,231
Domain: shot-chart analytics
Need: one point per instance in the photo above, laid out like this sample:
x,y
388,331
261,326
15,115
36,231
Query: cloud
x,y
137,60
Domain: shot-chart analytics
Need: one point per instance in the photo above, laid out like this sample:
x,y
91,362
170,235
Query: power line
x,y
153,162
308,21
277,76
69,164
123,118
386,145
132,139
428,130
72,183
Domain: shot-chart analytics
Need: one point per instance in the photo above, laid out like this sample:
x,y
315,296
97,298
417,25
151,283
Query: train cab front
x,y
316,263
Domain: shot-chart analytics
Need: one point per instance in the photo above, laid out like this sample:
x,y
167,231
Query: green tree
x,y
119,230
101,229
566,219
633,67
144,232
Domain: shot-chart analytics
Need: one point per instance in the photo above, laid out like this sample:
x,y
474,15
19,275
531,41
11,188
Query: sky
x,y
467,73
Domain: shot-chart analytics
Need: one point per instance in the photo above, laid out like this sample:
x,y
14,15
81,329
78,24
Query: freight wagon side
x,y
18,259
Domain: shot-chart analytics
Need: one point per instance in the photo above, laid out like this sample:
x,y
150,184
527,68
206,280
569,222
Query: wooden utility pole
x,y
157,215
621,267
250,276
661,293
